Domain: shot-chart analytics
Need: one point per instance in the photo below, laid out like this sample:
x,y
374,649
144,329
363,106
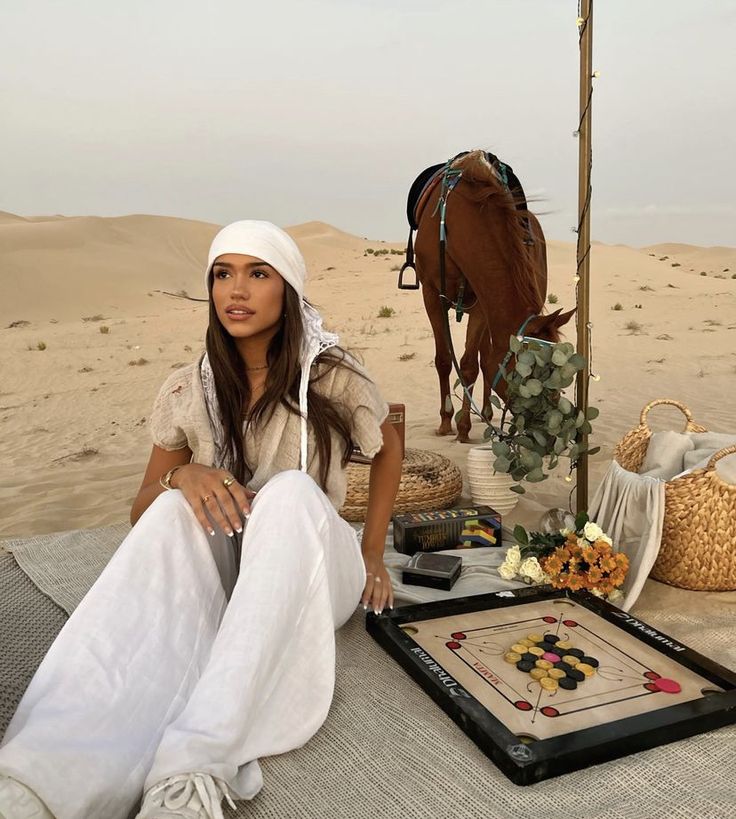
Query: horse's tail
x,y
483,186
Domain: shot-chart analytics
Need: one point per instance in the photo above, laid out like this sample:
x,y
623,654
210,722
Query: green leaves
x,y
539,425
521,536
502,464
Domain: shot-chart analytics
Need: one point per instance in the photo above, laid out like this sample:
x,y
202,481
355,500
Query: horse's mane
x,y
485,187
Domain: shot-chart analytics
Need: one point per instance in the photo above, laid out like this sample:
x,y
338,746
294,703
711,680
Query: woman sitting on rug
x,y
208,640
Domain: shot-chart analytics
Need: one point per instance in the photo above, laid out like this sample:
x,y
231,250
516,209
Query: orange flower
x,y
617,577
605,587
595,575
608,563
603,547
589,555
552,565
575,582
622,560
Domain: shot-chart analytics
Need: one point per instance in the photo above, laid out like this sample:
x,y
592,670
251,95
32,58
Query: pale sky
x,y
328,109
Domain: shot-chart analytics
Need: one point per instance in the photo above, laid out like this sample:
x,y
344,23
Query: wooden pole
x,y
583,244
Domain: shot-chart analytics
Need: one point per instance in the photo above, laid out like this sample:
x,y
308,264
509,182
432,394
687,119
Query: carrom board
x,y
640,689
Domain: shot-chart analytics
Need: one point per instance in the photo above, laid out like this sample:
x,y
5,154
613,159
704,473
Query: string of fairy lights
x,y
582,24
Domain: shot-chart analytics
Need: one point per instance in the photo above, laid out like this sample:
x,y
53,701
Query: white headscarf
x,y
271,244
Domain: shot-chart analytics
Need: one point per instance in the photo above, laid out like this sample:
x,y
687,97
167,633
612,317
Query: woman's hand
x,y
207,493
378,591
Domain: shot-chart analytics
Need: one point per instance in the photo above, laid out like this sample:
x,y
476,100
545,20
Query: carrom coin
x,y
548,684
512,657
563,644
537,674
518,648
568,683
545,664
588,670
576,675
535,638
537,652
590,661
556,673
525,641
551,638
570,660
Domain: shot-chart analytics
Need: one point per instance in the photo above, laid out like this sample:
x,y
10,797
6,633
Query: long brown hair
x,y
281,388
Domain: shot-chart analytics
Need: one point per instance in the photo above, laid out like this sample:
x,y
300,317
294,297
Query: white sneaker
x,y
186,796
19,802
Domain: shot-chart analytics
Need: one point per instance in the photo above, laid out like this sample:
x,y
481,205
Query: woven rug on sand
x,y
386,750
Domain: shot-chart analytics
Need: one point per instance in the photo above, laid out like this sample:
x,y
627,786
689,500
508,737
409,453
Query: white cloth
x,y
269,243
630,510
156,673
671,455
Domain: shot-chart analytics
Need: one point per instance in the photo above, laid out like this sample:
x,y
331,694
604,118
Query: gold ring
x,y
206,498
377,580
229,480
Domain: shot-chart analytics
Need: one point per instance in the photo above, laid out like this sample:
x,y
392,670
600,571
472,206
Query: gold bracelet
x,y
165,480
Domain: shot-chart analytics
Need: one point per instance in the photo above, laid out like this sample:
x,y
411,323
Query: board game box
x,y
447,529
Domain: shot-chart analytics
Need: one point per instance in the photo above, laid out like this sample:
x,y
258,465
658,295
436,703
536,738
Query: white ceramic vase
x,y
487,488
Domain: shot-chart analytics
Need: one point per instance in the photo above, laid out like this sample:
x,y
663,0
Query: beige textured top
x,y
179,419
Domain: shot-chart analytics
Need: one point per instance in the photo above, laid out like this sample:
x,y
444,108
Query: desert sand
x,y
73,414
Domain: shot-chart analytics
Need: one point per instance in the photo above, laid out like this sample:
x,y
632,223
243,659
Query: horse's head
x,y
547,328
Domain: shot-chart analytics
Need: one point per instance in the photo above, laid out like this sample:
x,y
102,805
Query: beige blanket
x,y
387,750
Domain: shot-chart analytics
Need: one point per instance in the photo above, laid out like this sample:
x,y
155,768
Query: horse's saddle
x,y
429,177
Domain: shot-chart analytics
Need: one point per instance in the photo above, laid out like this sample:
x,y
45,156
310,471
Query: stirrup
x,y
403,286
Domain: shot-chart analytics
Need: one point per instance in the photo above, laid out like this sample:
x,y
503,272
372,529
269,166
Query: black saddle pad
x,y
420,183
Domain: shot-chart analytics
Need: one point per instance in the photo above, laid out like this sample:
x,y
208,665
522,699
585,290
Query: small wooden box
x,y
397,416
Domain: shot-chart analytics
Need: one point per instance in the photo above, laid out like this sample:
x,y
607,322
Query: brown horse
x,y
488,245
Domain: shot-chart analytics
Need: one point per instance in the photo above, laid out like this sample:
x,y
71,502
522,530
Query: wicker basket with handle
x,y
698,549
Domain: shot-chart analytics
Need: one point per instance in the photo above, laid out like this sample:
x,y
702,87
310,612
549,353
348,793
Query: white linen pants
x,y
158,673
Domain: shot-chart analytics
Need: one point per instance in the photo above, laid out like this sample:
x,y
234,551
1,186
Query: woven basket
x,y
698,549
428,481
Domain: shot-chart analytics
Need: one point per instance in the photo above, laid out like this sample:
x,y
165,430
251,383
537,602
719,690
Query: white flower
x,y
506,572
592,531
596,592
565,531
513,557
616,594
606,539
530,568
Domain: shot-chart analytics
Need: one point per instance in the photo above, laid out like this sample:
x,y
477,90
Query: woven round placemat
x,y
698,548
428,481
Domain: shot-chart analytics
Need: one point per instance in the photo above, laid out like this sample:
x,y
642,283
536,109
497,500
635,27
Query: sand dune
x,y
73,415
